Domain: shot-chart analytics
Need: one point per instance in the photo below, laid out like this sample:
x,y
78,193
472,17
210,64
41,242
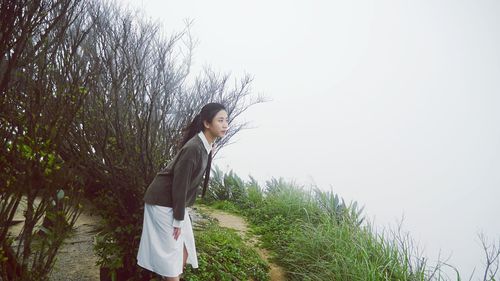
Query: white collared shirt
x,y
207,145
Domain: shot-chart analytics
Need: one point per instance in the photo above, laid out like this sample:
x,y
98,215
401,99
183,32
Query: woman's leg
x,y
170,278
185,256
184,265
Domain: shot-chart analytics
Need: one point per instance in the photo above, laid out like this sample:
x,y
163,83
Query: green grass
x,y
315,235
225,205
223,256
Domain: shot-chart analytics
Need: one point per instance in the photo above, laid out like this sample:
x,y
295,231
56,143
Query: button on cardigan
x,y
177,184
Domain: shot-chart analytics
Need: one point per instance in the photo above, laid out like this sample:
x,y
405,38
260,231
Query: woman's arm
x,y
181,181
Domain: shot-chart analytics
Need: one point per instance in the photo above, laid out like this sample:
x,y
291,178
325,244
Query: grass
x,y
315,235
223,256
227,206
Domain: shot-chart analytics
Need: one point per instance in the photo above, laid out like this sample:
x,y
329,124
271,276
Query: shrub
x,y
226,186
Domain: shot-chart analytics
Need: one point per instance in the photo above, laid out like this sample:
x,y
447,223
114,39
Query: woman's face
x,y
219,125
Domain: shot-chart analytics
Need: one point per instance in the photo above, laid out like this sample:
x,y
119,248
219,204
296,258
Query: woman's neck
x,y
209,137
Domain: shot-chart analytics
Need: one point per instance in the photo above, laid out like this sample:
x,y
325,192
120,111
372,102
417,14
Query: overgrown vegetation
x,y
93,98
41,91
316,235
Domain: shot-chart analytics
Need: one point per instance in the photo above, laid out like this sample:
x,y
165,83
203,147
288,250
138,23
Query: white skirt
x,y
159,251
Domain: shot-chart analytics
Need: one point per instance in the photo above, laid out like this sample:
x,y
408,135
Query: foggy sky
x,y
393,104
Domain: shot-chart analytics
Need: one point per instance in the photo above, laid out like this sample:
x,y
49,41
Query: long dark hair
x,y
207,113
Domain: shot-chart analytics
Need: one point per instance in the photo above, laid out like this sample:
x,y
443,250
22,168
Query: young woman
x,y
167,241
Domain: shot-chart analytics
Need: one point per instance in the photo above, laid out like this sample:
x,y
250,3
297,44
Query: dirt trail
x,y
76,259
240,225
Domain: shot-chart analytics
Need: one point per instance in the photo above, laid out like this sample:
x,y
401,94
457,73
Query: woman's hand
x,y
177,232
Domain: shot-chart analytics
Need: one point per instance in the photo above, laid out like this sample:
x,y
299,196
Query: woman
x,y
167,241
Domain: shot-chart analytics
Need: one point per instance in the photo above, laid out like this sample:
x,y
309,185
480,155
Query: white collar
x,y
207,145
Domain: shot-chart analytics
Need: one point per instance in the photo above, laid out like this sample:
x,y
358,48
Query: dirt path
x,y
240,225
76,260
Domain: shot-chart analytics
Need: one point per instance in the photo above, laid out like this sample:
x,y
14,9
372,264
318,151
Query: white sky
x,y
393,103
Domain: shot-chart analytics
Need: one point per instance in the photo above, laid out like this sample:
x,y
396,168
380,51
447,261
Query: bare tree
x,y
211,86
132,119
492,256
42,82
92,98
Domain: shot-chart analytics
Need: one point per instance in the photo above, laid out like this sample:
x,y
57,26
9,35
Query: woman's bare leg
x,y
170,278
185,256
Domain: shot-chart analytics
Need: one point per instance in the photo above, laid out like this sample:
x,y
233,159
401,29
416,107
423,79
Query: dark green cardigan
x,y
176,186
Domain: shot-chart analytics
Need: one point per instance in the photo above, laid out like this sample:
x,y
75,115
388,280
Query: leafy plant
x,y
109,252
